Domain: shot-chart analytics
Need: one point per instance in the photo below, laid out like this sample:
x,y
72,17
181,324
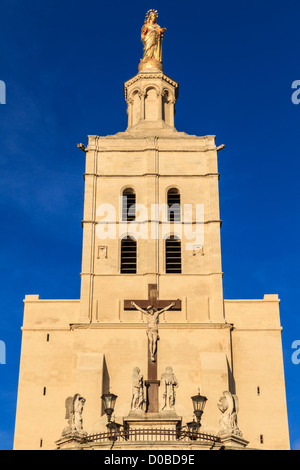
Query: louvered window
x,y
173,255
128,256
174,211
128,207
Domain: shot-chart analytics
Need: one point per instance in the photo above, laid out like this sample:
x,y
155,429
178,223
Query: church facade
x,y
151,355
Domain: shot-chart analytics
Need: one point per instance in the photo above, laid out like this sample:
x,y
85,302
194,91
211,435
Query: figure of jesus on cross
x,y
152,316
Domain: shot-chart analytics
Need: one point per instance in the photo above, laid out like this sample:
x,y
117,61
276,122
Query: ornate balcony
x,y
144,438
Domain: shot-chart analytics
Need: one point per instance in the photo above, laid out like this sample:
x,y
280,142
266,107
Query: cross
x,y
152,383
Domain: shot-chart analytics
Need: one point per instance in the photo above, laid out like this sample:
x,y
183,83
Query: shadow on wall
x,y
231,381
105,383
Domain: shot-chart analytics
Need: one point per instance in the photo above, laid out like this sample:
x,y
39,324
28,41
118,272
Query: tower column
x,y
88,244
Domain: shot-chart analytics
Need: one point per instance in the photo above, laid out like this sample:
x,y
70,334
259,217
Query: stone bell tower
x,y
151,328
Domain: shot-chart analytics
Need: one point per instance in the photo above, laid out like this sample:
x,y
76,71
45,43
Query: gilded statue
x,y
152,38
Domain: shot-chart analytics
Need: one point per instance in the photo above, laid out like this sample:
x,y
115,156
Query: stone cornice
x,y
149,76
205,175
170,275
160,222
120,142
175,150
162,326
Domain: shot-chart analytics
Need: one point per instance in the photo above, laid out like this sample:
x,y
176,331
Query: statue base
x,y
163,420
150,65
70,440
232,441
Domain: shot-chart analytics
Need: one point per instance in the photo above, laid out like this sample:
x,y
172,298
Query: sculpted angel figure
x,y
137,400
152,316
152,37
169,382
229,406
74,409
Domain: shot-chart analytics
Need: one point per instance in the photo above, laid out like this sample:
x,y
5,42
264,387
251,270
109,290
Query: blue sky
x,y
64,64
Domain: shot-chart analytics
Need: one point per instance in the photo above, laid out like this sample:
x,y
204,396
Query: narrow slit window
x,y
128,205
128,256
261,438
174,205
173,255
44,391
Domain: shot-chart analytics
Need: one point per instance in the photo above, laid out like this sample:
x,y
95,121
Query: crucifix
x,y
152,308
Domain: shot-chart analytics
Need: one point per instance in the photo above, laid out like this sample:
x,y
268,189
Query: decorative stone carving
x,y
138,398
169,383
102,252
74,409
198,250
229,406
150,77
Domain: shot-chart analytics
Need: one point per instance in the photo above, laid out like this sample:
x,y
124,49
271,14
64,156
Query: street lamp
x,y
199,402
109,401
193,428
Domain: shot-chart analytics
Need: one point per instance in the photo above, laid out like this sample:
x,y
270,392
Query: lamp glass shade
x,y
199,402
109,401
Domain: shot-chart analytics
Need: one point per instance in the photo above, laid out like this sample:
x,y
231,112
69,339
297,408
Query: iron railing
x,y
151,435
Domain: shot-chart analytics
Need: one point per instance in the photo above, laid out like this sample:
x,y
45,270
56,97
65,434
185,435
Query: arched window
x,y
128,256
174,210
173,255
128,205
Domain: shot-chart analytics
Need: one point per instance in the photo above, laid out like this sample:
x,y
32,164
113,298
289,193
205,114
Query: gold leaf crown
x,y
148,14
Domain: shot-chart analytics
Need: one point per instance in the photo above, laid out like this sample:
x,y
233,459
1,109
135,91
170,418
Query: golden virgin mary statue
x,y
152,37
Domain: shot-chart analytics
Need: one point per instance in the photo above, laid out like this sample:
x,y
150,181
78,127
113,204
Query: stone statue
x,y
79,403
152,316
169,382
74,409
137,400
229,406
152,37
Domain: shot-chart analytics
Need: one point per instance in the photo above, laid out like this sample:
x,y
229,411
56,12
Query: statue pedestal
x,y
70,441
150,65
232,441
167,420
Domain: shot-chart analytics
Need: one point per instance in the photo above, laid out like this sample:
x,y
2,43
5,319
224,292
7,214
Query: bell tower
x,y
151,326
